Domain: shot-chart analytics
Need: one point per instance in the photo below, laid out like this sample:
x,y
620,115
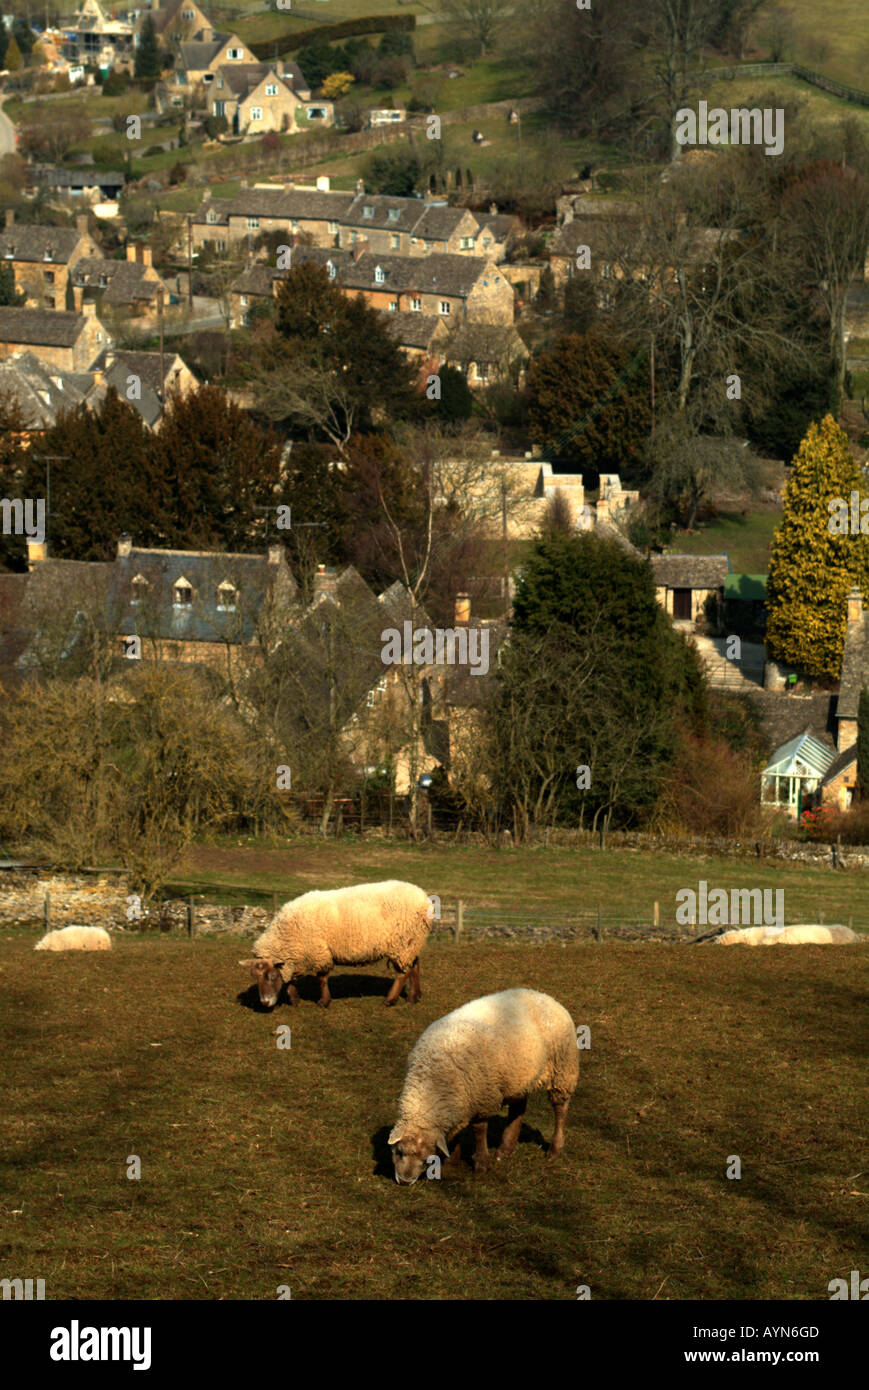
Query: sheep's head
x,y
411,1150
269,979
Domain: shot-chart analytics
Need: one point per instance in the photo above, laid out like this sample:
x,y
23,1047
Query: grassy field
x,y
539,882
746,540
832,38
263,1168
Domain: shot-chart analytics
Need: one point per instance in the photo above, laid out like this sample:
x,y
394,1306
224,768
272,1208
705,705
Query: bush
x,y
116,83
178,173
215,125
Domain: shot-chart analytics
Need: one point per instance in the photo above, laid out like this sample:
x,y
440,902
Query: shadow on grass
x,y
340,987
382,1153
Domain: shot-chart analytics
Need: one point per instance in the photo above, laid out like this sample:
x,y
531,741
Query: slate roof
x,y
500,224
442,273
785,717
439,222
690,571
55,590
258,279
41,327
599,234
126,280
244,78
300,203
81,178
486,342
41,391
840,765
197,55
158,617
407,212
399,272
30,243
855,667
413,330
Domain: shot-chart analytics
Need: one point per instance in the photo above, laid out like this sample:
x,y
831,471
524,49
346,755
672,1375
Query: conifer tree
x,y
817,555
863,745
148,52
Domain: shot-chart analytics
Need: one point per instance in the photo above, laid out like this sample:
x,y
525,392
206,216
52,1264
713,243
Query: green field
x,y
745,539
264,1168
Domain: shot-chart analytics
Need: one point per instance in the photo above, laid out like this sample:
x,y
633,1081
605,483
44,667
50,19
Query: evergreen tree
x,y
148,63
816,556
863,745
14,60
24,36
8,293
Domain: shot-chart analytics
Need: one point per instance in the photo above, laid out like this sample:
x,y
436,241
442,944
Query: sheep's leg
x,y
325,997
397,987
415,990
560,1108
510,1137
292,992
481,1152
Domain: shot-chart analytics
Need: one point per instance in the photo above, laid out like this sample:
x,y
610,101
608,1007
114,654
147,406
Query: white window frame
x,y
256,113
416,305
444,307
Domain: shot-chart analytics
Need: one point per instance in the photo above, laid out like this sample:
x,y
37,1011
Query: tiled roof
x,y
35,386
690,571
30,243
298,203
414,330
125,280
41,327
157,616
406,212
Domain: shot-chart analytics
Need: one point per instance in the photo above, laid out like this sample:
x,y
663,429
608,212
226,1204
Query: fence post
x,y
656,916
191,915
460,918
46,911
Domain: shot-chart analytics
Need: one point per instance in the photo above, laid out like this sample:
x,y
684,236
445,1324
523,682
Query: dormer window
x,y
139,589
394,214
10,252
211,217
104,280
182,594
368,210
49,253
226,596
379,276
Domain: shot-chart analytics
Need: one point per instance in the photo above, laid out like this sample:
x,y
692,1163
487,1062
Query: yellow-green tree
x,y
336,84
816,557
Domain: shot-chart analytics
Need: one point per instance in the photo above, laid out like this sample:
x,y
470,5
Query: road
x,y
7,133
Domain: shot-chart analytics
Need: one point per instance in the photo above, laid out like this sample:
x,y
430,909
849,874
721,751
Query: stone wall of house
x,y
492,301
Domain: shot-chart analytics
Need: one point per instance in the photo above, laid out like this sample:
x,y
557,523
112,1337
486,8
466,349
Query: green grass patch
x,y
746,539
263,1167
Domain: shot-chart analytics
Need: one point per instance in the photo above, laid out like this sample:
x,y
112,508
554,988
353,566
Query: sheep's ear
x,y
442,1146
398,1132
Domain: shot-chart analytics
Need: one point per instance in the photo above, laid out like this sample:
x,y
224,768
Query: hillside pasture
x,y
264,1168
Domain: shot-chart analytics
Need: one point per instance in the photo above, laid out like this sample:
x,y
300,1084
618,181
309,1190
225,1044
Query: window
x,y
220,84
49,302
466,243
354,237
487,241
333,228
427,245
139,589
49,253
393,305
368,210
182,594
104,280
226,596
207,77
244,301
416,304
211,216
294,226
331,269
271,89
219,110
445,306
379,276
233,54
483,371
395,241
393,214
188,14
49,275
256,113
253,223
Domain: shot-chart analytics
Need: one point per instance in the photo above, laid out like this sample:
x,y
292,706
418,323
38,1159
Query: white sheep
x,y
468,1064
75,939
813,936
346,926
747,936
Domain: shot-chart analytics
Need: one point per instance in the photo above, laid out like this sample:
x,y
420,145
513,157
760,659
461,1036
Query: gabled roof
x,y
486,342
81,178
446,272
258,279
802,756
41,327
41,391
841,764
414,330
439,222
244,78
125,281
690,571
406,212
396,273
198,55
296,203
30,243
499,224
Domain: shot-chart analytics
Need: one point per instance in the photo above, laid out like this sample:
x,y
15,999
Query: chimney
x,y
98,376
131,250
360,187
77,297
275,554
324,581
493,209
81,222
855,607
463,610
125,544
10,217
323,183
147,255
37,552
89,310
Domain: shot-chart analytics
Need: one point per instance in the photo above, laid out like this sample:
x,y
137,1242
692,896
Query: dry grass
x,y
263,1168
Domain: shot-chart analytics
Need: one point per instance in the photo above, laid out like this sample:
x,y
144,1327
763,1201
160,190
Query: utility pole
x,y
48,460
160,299
190,259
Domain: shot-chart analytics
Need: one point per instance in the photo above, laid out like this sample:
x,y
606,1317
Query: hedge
x,y
346,29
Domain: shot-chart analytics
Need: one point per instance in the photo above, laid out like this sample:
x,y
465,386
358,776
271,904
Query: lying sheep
x,y
747,936
468,1064
346,926
75,939
812,936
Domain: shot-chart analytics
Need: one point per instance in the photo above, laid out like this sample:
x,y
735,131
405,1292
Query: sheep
x,y
75,939
813,936
345,926
747,936
490,1052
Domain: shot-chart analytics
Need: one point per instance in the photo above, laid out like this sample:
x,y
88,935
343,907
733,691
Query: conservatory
x,y
793,777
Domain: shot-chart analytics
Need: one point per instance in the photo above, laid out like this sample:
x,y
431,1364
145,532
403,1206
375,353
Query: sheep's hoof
x,y
388,1003
481,1165
323,1003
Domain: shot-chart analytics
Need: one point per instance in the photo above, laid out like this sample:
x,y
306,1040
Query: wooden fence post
x,y
656,916
191,915
460,918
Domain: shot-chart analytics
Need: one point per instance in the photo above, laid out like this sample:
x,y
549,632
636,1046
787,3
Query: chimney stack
x,y
77,297
89,310
98,376
360,187
463,610
37,552
9,217
81,222
855,607
131,250
125,544
275,554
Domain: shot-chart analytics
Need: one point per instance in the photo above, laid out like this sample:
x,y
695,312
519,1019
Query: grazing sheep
x,y
468,1064
75,939
813,936
346,926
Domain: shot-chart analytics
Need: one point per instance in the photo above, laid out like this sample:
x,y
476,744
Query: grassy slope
x,y
745,539
263,1168
538,881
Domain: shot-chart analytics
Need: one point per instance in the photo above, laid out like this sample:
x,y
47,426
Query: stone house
x,y
315,212
42,258
130,287
422,227
422,337
198,60
41,391
57,338
179,21
455,288
487,353
840,780
255,98
384,222
684,584
101,40
136,376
